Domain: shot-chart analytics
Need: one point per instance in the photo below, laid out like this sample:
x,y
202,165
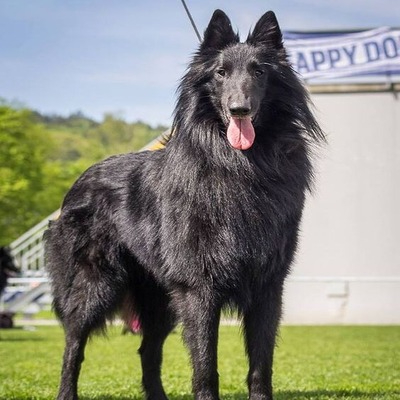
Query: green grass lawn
x,y
311,363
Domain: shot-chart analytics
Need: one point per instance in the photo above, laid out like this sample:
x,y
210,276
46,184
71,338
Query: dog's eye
x,y
258,72
221,72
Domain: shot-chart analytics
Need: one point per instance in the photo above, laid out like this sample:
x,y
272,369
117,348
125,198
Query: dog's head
x,y
240,72
247,88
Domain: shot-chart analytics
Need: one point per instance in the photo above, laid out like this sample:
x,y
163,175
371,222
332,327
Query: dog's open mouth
x,y
241,132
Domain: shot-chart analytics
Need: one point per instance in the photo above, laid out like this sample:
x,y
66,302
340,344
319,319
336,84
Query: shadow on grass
x,y
279,395
333,394
99,397
21,339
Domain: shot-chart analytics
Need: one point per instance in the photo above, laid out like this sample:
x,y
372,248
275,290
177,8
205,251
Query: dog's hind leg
x,y
73,358
151,358
83,307
156,321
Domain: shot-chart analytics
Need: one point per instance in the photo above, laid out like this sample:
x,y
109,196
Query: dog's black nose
x,y
239,110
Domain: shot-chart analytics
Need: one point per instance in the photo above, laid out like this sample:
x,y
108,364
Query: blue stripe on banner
x,y
312,35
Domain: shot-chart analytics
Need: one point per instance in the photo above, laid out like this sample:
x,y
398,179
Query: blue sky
x,y
126,57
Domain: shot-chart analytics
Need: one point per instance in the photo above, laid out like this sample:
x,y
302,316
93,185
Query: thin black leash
x,y
191,20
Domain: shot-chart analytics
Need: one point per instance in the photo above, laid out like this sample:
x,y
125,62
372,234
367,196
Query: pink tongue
x,y
241,133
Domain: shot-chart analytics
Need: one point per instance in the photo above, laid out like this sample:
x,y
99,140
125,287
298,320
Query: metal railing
x,y
28,251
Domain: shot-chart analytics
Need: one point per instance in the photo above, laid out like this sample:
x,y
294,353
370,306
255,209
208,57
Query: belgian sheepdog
x,y
209,221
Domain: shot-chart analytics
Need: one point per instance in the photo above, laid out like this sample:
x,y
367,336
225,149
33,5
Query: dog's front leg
x,y
200,316
261,322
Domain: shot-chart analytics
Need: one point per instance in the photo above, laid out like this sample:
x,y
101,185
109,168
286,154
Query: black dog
x,y
7,267
210,221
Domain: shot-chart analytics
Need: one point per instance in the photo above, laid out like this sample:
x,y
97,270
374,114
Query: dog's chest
x,y
219,222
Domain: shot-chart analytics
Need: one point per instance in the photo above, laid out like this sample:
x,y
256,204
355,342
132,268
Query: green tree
x,y
116,136
23,147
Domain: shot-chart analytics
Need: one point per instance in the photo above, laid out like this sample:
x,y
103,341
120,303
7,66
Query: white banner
x,y
373,52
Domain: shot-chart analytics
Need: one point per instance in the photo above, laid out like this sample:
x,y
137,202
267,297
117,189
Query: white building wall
x,y
348,265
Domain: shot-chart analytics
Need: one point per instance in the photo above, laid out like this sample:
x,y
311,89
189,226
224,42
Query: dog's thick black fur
x,y
209,221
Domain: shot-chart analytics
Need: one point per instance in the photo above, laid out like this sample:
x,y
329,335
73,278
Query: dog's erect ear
x,y
267,32
219,33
